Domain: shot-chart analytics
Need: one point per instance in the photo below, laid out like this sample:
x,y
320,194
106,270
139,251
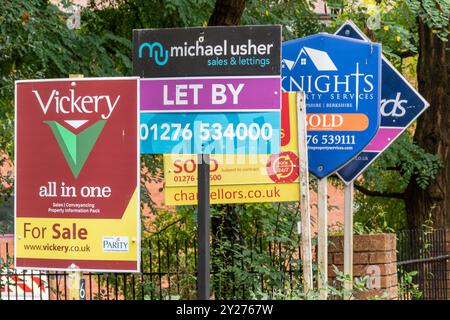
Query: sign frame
x,y
138,176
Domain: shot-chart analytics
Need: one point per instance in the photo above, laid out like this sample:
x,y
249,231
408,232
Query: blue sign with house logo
x,y
400,105
341,78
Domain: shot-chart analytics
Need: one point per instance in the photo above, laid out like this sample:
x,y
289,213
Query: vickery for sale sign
x,y
77,174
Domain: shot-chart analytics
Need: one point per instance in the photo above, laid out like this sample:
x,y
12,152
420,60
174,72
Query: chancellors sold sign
x,y
77,174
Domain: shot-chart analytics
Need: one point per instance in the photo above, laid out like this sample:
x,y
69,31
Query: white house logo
x,y
115,244
155,51
320,59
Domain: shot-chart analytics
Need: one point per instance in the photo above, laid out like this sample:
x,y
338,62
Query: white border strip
x,y
212,77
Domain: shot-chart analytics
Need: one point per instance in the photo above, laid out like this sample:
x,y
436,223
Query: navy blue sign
x,y
400,105
341,78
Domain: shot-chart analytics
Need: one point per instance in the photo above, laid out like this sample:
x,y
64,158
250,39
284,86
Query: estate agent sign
x,y
341,79
77,174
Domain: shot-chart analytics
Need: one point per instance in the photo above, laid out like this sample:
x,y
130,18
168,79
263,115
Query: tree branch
x,y
367,192
168,226
406,54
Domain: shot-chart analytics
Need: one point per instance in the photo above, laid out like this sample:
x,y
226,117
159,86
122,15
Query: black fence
x,y
422,264
168,271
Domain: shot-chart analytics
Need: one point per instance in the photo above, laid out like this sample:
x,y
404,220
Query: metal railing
x,y
422,264
168,271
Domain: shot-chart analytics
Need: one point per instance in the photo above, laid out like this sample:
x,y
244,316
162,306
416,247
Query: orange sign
x,y
337,122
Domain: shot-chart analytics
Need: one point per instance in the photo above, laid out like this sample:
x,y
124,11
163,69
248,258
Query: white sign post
x,y
304,193
348,238
322,235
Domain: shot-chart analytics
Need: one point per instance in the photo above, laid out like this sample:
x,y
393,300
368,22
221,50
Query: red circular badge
x,y
283,167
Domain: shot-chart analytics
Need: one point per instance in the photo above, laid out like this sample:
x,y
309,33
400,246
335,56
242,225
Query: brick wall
x,y
373,255
6,246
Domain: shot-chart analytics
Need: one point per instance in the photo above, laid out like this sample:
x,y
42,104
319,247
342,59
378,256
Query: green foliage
x,y
6,271
435,13
121,16
336,292
391,173
295,16
408,287
36,43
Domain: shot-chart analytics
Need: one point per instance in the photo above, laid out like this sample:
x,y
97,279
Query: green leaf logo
x,y
76,147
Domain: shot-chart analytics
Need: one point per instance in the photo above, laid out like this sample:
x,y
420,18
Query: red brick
x,y
338,258
361,243
386,268
388,281
360,270
382,257
360,257
336,244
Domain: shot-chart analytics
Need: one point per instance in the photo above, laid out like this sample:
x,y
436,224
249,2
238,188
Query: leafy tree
x,y
410,180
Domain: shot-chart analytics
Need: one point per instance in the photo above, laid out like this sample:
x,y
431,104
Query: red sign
x,y
77,174
283,167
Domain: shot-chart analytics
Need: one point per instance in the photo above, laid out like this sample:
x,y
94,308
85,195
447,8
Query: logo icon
x,y
76,147
283,167
320,59
115,244
155,51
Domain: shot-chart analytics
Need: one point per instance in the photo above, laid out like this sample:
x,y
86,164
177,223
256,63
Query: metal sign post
x,y
304,193
322,235
348,238
203,217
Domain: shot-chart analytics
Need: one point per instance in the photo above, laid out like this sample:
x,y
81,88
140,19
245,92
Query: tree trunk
x,y
432,132
227,13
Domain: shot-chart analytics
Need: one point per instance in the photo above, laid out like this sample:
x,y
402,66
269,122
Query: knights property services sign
x,y
77,174
341,78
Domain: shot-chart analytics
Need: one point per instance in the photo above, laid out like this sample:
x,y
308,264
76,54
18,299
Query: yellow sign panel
x,y
241,178
46,238
236,194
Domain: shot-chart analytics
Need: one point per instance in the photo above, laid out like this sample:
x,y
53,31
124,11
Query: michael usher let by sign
x,y
212,90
